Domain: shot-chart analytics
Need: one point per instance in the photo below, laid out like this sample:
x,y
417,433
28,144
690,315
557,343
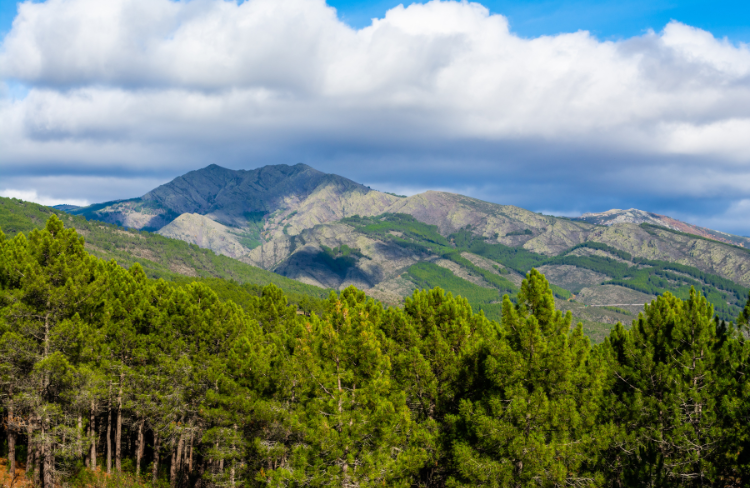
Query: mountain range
x,y
328,231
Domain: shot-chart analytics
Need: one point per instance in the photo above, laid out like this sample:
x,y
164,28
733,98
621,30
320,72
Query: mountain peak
x,y
234,197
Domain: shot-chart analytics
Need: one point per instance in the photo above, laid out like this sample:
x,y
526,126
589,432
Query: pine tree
x,y
50,283
668,387
536,424
436,344
358,428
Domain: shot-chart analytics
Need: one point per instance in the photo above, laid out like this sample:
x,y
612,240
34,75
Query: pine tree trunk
x,y
37,466
11,454
118,429
176,458
92,435
155,469
139,450
231,471
48,459
31,455
190,455
79,447
215,464
109,431
11,441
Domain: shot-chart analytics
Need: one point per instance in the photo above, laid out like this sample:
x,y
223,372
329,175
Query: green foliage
x,y
502,284
535,423
428,275
647,276
415,234
524,232
598,246
618,310
515,258
246,295
672,390
227,384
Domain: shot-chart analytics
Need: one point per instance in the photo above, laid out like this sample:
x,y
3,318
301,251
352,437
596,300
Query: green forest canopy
x,y
103,368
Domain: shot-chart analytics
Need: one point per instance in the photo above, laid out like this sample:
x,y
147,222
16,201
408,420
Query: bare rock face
x,y
280,197
451,212
204,232
301,257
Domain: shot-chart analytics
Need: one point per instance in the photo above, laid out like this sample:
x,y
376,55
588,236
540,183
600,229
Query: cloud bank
x,y
441,94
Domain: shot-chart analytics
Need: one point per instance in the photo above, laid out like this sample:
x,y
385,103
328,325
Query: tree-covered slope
x,y
111,379
159,256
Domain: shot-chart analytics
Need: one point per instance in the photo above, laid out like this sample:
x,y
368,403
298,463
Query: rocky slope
x,y
635,216
280,198
206,233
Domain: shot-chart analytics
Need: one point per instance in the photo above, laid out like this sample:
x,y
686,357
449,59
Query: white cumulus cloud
x,y
123,86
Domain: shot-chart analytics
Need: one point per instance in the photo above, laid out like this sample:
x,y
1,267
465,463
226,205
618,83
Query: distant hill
x,y
65,207
635,216
330,232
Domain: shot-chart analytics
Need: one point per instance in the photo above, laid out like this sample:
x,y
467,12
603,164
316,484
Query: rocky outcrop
x,y
204,232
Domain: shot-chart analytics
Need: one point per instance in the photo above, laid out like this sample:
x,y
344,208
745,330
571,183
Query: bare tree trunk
x,y
190,454
231,472
48,460
215,464
11,454
92,435
32,455
176,458
118,428
139,450
11,441
155,469
109,430
37,466
79,447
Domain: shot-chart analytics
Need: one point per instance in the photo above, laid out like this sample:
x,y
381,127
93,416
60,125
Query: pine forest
x,y
111,378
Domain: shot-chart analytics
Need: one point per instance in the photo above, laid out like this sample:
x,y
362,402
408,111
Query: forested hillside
x,y
160,257
111,378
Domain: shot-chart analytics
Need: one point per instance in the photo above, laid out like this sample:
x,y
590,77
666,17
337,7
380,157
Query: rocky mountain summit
x,y
328,231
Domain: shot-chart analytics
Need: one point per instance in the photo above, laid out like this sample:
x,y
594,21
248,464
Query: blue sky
x,y
613,19
102,100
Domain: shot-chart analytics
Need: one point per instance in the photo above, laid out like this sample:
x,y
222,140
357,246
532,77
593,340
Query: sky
x,y
562,107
